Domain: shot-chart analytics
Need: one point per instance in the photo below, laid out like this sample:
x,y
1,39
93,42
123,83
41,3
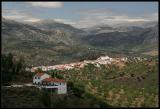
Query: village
x,y
103,60
59,86
43,80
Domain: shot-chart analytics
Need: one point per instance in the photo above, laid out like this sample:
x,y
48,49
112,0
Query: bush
x,y
45,98
79,90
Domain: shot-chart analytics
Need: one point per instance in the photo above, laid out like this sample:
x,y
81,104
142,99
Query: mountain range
x,y
49,42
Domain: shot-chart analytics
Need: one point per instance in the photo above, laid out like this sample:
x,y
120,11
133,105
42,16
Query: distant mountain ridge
x,y
53,42
124,36
53,25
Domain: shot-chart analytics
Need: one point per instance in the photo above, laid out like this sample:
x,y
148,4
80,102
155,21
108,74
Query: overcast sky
x,y
81,14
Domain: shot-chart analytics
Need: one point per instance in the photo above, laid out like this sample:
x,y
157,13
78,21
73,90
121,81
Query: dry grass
x,y
119,64
137,102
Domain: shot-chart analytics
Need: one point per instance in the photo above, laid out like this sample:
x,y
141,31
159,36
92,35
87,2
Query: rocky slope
x,y
50,42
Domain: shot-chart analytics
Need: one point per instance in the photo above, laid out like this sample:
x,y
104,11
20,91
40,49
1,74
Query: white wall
x,y
62,89
40,78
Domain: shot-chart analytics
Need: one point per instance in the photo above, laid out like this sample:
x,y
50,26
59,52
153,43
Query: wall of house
x,y
62,89
40,78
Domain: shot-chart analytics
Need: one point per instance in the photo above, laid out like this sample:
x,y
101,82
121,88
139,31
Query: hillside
x,y
128,38
53,25
125,86
31,97
39,46
48,42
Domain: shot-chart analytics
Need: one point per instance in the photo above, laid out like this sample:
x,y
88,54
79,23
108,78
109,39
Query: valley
x,y
62,43
104,66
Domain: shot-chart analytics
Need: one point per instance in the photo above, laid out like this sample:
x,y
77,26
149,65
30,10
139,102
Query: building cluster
x,y
101,60
139,59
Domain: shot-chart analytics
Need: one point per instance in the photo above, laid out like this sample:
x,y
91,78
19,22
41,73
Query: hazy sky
x,y
81,14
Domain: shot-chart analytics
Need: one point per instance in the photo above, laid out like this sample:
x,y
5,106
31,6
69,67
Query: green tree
x,y
7,68
38,70
11,68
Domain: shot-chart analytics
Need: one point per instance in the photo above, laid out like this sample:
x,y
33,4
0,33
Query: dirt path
x,y
18,85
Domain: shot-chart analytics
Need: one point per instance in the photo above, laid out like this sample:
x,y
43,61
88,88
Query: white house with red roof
x,y
44,81
37,79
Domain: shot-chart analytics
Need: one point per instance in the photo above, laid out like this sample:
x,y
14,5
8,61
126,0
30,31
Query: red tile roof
x,y
53,80
39,74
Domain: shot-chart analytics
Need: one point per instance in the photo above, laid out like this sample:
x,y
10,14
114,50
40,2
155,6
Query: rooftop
x,y
39,74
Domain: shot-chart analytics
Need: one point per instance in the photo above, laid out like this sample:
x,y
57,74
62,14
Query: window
x,y
44,83
55,84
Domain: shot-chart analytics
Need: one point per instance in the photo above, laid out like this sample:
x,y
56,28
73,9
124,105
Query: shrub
x,y
45,98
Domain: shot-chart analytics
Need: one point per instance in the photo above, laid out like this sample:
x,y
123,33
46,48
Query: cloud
x,y
65,21
87,17
47,4
17,15
92,17
99,11
31,20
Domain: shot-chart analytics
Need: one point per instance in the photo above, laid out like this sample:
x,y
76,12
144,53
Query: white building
x,y
37,79
33,69
44,68
44,81
103,58
124,59
104,62
68,67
